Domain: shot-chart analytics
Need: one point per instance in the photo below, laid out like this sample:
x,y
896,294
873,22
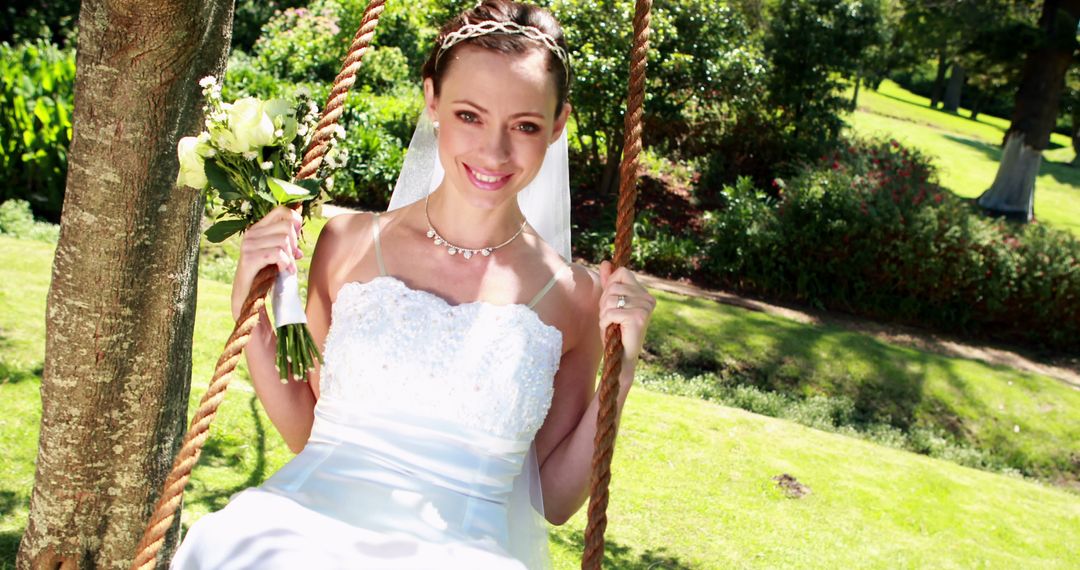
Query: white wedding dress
x,y
420,445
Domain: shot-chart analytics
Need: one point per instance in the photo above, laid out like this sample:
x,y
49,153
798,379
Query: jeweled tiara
x,y
489,27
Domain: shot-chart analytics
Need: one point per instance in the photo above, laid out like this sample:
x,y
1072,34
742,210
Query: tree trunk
x,y
1035,112
121,303
609,183
939,79
855,96
1076,136
953,89
1013,191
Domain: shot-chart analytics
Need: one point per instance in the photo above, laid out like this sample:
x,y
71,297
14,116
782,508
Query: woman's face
x,y
496,115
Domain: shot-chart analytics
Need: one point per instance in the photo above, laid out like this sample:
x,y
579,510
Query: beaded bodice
x,y
485,366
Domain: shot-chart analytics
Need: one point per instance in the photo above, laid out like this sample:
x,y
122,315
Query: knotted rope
x,y
172,492
604,442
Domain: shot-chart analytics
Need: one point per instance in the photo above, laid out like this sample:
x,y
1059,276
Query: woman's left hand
x,y
620,287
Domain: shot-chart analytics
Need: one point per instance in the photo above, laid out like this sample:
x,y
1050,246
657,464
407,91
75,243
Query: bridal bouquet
x,y
243,164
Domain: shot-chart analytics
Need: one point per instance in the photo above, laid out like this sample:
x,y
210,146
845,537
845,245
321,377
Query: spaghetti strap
x,y
550,284
378,245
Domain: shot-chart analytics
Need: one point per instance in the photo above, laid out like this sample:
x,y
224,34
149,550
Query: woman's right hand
x,y
269,241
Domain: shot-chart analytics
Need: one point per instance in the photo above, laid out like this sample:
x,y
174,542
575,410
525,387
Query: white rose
x,y
192,164
252,128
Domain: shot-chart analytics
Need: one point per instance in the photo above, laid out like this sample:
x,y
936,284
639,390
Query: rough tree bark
x,y
121,304
953,89
1035,113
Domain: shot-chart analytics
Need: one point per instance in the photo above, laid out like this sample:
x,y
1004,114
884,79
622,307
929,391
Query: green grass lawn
x,y
692,480
967,152
1023,420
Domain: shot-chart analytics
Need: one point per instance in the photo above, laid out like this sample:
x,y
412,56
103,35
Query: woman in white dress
x,y
457,395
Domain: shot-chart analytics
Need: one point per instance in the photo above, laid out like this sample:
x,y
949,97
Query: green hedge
x,y
36,94
867,230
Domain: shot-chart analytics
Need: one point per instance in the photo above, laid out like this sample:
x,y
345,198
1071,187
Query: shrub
x,y
300,45
249,17
244,77
308,45
659,250
378,130
17,221
868,230
36,93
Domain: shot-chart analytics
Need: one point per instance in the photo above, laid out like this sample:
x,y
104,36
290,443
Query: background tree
x,y
1070,104
121,304
1035,113
806,91
699,57
943,30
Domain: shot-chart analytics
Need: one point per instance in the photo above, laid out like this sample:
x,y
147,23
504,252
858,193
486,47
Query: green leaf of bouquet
x,y
262,190
221,231
310,184
286,192
219,179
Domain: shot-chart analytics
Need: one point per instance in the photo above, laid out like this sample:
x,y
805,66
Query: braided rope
x,y
604,443
172,492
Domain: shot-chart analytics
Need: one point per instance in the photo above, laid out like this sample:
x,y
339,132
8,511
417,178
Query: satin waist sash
x,y
396,473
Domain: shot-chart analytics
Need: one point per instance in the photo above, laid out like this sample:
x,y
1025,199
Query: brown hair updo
x,y
503,11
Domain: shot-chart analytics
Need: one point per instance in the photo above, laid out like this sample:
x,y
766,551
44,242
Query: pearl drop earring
x,y
435,124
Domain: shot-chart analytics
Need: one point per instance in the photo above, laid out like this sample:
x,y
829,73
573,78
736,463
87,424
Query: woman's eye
x,y
529,128
467,116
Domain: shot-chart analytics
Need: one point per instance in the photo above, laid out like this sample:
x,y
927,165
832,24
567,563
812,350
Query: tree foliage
x,y
805,89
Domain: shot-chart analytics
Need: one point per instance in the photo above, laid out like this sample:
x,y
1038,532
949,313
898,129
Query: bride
x,y
455,405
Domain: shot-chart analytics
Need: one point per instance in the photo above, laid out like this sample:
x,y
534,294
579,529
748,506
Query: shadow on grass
x,y
942,111
1061,172
793,359
8,502
9,547
885,383
220,451
622,557
13,373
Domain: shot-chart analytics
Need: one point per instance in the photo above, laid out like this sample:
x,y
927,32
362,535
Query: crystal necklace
x,y
466,252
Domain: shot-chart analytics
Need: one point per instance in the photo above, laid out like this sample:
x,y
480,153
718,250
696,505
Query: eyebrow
x,y
514,116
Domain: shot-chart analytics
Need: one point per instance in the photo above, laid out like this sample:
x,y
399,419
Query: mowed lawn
x,y
966,152
692,484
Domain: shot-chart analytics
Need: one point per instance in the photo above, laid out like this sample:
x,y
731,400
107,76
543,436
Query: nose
x,y
497,146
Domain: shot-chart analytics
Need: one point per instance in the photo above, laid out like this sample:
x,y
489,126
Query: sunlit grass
x,y
966,153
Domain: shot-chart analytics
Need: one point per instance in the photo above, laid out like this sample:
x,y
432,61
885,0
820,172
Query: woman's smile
x,y
486,179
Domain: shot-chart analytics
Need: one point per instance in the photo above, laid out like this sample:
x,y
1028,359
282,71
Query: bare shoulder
x,y
342,242
585,288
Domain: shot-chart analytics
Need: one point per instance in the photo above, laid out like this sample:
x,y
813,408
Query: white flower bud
x,y
207,81
192,173
266,165
250,155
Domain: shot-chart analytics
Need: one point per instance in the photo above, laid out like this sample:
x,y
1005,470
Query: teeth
x,y
485,178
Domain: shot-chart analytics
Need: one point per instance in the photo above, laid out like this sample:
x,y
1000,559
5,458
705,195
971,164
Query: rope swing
x,y
169,501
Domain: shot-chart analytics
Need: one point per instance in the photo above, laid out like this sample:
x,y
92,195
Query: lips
x,y
486,180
